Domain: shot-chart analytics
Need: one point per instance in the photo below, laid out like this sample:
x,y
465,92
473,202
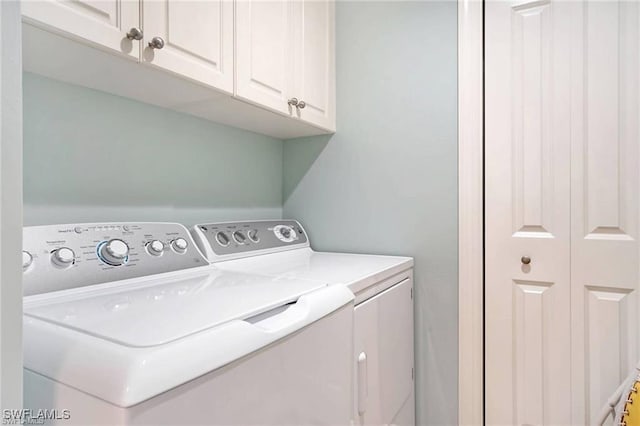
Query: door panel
x,y
383,330
264,42
314,63
533,339
198,38
604,205
104,23
527,213
531,143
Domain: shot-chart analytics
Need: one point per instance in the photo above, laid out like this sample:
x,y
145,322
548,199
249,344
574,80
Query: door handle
x,y
307,309
362,383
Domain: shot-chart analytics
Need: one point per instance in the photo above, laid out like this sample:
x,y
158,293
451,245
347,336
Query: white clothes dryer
x,y
383,356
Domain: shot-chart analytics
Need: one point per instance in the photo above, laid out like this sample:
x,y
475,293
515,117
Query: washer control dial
x,y
179,245
253,235
239,237
155,248
285,233
63,257
114,252
27,260
222,239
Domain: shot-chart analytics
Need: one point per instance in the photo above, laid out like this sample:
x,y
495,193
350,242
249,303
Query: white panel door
x,y
383,331
104,23
605,123
562,187
528,339
264,53
198,39
314,64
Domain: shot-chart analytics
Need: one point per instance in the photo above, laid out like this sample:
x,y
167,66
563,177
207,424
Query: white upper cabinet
x,y
263,65
285,57
102,22
264,46
314,71
192,38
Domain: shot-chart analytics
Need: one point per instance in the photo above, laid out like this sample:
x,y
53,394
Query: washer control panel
x,y
233,240
57,257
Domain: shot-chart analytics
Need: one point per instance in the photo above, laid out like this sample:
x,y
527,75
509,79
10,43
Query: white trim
x,y
470,208
10,206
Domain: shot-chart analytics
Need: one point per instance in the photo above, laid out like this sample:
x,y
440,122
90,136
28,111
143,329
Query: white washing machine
x,y
383,317
127,324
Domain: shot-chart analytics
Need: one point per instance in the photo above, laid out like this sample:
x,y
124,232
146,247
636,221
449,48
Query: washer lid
x,y
86,341
155,311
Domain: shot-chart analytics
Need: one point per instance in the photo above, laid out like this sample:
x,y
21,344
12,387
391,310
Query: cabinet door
x,y
264,59
314,63
198,39
383,329
101,22
527,190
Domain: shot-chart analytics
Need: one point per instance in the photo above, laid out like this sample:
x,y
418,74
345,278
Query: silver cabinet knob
x,y
135,34
525,260
293,101
156,43
302,104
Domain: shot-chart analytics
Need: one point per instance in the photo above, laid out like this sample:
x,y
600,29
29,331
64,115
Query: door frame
x,y
10,205
470,212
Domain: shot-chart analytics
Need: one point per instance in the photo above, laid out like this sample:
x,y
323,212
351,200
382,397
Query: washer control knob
x,y
222,239
27,260
179,245
155,247
253,235
114,252
239,237
63,257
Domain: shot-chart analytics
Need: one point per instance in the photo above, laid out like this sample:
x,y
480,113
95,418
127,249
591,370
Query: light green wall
x,y
386,182
91,156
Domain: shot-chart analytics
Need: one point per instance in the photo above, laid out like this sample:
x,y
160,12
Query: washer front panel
x,y
88,242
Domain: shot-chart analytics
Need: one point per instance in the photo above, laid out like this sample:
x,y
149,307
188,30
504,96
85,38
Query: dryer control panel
x,y
57,257
233,240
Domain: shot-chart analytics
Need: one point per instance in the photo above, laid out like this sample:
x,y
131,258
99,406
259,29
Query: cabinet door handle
x,y
362,383
302,104
293,101
135,34
156,43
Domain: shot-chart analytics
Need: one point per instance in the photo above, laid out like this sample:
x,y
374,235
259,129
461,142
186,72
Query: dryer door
x,y
383,327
